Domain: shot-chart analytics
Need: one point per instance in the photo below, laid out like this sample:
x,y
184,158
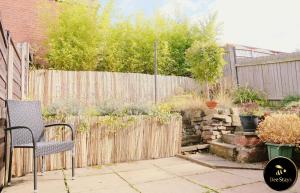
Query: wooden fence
x,y
234,54
278,76
88,87
14,67
146,137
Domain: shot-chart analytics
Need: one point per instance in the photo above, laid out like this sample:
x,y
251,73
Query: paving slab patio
x,y
214,161
168,175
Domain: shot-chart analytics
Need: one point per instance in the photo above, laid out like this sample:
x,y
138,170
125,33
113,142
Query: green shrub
x,y
246,94
109,108
73,36
289,99
63,107
83,35
136,110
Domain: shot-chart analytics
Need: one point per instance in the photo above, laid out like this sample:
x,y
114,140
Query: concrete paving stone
x,y
157,176
174,185
45,183
252,174
94,183
89,171
129,166
123,189
187,169
220,180
296,187
146,175
259,187
169,161
216,161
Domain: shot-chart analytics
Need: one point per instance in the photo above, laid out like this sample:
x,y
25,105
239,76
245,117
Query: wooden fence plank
x,y
96,87
278,76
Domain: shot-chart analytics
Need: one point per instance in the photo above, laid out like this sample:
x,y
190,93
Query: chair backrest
x,y
25,113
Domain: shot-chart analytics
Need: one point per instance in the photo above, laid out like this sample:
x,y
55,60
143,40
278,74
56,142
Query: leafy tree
x,y
73,38
205,56
179,37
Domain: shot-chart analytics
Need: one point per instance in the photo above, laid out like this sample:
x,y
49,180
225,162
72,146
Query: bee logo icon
x,y
280,170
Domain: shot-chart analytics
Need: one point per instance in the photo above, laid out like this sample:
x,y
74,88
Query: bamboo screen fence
x,y
146,137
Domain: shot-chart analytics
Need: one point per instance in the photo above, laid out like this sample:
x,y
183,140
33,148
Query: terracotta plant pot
x,y
211,104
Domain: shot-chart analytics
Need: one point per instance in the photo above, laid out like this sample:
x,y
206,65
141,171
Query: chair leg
x,y
4,159
10,166
34,172
43,165
73,164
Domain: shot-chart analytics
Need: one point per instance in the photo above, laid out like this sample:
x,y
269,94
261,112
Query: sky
x,y
269,24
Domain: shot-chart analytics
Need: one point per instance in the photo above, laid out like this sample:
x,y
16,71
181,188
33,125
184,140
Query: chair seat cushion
x,y
50,147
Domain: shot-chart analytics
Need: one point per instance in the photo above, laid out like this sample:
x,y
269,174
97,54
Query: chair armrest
x,y
62,124
21,127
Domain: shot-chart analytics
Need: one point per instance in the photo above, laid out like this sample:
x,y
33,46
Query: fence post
x,y
155,71
23,49
232,57
10,67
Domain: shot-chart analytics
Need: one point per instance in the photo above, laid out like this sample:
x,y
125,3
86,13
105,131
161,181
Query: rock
x,y
227,124
196,113
194,147
211,111
191,139
236,121
255,154
230,128
222,127
210,137
209,141
234,111
217,124
196,119
210,133
248,140
225,118
198,132
223,111
209,128
207,117
225,132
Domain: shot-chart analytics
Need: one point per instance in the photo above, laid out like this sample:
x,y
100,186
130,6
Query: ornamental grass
x,y
280,129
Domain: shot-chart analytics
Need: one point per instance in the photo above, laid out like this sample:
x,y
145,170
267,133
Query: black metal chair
x,y
26,127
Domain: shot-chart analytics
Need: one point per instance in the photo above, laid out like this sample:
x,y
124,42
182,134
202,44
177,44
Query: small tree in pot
x,y
280,132
205,57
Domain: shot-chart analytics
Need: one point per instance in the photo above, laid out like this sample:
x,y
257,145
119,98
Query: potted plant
x,y
280,132
211,104
296,154
249,116
206,59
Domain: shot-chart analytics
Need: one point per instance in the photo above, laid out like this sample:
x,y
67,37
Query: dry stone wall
x,y
204,127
